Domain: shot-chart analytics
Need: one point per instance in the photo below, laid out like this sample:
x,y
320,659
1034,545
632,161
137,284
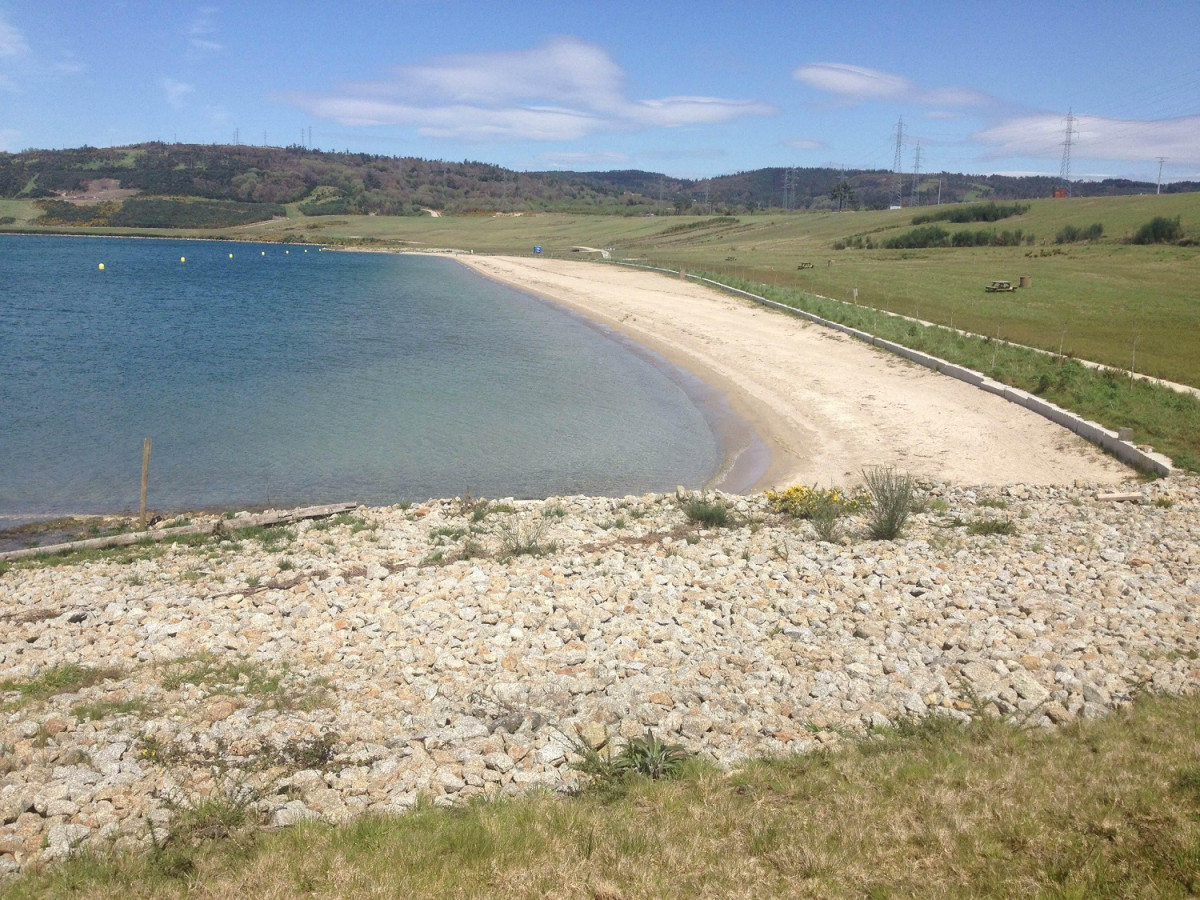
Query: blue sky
x,y
691,89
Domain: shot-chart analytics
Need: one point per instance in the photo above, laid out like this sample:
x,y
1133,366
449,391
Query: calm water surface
x,y
268,375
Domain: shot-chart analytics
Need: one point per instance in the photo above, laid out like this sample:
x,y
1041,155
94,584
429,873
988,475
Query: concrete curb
x,y
1097,434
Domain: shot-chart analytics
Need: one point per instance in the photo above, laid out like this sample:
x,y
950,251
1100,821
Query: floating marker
x,y
101,267
264,253
287,252
183,259
231,256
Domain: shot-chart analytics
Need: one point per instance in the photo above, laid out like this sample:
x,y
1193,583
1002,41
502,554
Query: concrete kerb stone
x,y
1089,431
961,373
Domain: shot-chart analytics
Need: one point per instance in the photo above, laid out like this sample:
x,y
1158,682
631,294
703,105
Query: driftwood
x,y
1133,497
162,534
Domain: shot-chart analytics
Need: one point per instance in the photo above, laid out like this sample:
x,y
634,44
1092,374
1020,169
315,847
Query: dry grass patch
x,y
929,809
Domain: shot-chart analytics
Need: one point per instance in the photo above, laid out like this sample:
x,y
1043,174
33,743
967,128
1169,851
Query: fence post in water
x,y
145,475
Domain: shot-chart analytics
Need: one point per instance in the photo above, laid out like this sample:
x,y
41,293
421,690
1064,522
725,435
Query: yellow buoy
x,y
231,256
101,267
287,252
264,253
183,259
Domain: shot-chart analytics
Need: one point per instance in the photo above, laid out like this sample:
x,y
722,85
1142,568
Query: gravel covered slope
x,y
336,667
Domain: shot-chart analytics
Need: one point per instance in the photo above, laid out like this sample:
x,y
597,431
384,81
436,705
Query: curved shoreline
x,y
824,406
745,459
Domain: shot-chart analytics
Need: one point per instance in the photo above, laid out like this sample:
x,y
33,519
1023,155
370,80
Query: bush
x,y
891,501
804,502
1070,234
1159,230
712,513
517,539
976,212
934,236
926,236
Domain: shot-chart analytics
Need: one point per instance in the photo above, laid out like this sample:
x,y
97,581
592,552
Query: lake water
x,y
278,375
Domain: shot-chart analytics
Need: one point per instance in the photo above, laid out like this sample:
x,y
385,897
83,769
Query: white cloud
x,y
856,83
12,42
176,91
1094,137
805,144
564,90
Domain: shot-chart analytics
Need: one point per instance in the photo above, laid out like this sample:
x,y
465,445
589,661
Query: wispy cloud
x,y
176,92
564,90
856,84
201,31
1094,137
12,41
583,160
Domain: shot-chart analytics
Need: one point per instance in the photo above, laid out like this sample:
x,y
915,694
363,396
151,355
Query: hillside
x,y
109,185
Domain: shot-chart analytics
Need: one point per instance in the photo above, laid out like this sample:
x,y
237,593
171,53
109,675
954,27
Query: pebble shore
x,y
338,667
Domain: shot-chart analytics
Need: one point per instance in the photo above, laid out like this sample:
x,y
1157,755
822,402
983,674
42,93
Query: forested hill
x,y
255,182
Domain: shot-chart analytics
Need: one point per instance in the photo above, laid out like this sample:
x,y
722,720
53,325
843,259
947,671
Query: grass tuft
x,y
891,501
709,513
50,682
523,538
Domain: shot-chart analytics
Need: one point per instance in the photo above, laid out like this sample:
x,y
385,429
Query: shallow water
x,y
275,375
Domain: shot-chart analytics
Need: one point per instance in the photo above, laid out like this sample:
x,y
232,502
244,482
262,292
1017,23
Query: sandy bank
x,y
824,405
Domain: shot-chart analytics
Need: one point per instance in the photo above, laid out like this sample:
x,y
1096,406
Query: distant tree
x,y
842,193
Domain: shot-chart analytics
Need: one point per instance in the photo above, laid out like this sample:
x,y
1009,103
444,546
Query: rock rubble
x,y
338,667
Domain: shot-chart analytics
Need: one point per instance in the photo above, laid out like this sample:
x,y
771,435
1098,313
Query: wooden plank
x,y
162,534
1121,498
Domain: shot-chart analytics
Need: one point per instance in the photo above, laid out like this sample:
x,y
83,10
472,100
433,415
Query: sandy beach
x,y
824,405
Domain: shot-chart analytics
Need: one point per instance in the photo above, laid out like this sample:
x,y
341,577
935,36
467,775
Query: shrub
x,y
803,502
712,513
977,212
825,522
518,539
891,501
1070,234
1159,230
925,236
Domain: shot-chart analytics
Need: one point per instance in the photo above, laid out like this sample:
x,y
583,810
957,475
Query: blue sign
x,y
537,249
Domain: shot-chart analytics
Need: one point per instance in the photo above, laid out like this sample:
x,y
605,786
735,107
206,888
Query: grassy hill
x,y
324,183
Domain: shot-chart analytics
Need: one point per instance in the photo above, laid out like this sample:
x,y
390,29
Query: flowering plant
x,y
805,502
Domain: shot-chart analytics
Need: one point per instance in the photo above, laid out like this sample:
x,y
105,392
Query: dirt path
x,y
825,405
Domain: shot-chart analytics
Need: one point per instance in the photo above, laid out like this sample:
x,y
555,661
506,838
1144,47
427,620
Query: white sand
x,y
825,405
